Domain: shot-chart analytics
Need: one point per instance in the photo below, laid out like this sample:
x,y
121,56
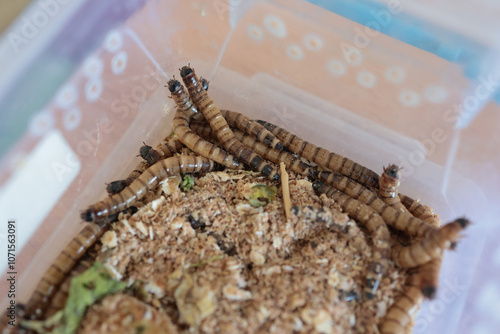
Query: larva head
x,y
317,186
429,292
174,85
185,71
392,171
144,151
204,83
88,215
463,222
116,186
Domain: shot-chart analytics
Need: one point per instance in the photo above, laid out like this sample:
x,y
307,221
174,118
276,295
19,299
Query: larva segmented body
x,y
147,181
199,145
63,264
401,313
397,219
207,107
252,128
276,156
375,225
420,211
389,187
324,158
183,100
430,248
167,148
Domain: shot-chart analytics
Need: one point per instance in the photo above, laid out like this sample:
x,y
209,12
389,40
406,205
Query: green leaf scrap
x,y
262,194
85,290
187,182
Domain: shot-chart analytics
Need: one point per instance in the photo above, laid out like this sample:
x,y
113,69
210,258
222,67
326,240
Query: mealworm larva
x,y
199,145
401,313
167,148
420,211
397,219
59,300
375,225
148,180
252,128
389,187
429,276
63,264
207,107
324,158
183,100
430,248
276,156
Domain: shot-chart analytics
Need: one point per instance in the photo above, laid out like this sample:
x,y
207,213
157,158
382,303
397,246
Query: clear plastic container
x,y
353,90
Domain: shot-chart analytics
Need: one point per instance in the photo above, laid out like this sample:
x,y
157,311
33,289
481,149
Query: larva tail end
x,y
279,147
174,85
463,222
429,292
144,151
88,215
185,71
133,209
261,122
317,185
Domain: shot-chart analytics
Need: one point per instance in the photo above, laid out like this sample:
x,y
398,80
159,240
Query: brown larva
x,y
397,219
276,156
389,187
375,225
212,114
324,158
430,248
147,181
400,315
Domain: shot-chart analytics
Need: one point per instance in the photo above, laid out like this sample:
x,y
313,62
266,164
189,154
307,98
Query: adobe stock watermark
x,y
449,292
364,36
224,7
455,114
105,126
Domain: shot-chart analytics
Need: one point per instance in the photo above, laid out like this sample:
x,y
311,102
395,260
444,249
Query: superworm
x,y
324,158
167,148
375,225
206,105
401,313
252,128
389,187
183,100
199,145
147,181
276,156
64,263
397,219
430,248
420,211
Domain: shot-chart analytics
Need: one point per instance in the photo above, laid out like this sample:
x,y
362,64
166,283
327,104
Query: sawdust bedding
x,y
205,260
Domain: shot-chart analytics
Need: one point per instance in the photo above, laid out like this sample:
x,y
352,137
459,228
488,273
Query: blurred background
x,y
388,81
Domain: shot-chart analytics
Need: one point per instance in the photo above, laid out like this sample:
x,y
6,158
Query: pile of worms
x,y
373,201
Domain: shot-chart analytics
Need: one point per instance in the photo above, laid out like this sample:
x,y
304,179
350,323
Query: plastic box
x,y
356,91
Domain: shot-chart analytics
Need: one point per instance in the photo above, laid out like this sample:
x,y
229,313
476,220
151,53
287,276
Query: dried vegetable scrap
x,y
214,251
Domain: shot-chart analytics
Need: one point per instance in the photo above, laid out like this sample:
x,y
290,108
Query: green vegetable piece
x,y
85,290
187,182
262,194
171,134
